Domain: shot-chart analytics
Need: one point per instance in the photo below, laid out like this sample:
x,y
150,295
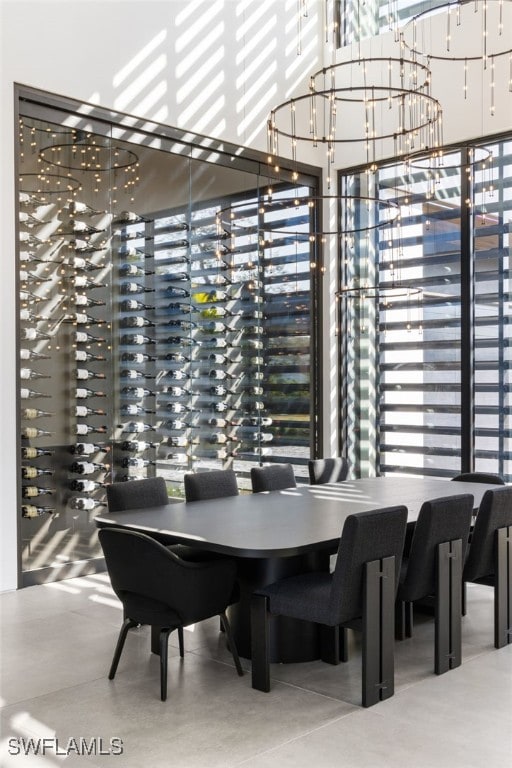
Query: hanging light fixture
x,y
464,33
389,97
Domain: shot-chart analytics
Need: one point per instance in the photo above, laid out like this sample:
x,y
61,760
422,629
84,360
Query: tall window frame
x,y
425,379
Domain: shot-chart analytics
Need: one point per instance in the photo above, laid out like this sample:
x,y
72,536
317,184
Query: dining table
x,y
276,534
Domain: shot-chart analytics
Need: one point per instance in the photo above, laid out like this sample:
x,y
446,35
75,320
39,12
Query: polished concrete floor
x,y
57,643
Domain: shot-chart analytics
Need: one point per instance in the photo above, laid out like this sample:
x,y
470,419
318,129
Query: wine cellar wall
x,y
153,339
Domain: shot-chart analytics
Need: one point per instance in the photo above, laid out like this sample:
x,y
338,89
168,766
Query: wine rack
x,y
150,342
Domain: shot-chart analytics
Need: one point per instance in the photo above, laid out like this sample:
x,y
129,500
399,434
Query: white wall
x,y
212,66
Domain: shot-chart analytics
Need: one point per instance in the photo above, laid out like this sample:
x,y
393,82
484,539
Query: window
x,y
426,365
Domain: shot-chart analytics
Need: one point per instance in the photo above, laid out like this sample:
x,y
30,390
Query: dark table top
x,y
284,523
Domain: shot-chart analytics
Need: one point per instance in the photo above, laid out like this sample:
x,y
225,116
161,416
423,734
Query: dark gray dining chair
x,y
275,477
211,484
322,471
489,560
158,588
479,477
359,594
433,567
137,494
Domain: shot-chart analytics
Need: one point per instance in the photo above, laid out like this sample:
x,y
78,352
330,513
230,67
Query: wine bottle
x,y
84,246
173,290
127,236
132,287
81,337
82,228
133,461
31,277
221,390
177,357
84,374
254,391
29,473
77,206
175,424
219,374
217,422
31,432
33,334
30,491
130,305
132,253
181,325
81,393
131,373
136,321
87,429
34,413
27,198
217,359
175,276
131,409
86,266
177,391
181,243
179,408
220,407
179,441
31,510
262,437
87,467
138,426
264,421
81,356
85,449
31,240
136,338
81,281
85,486
26,315
216,342
217,437
175,308
252,343
80,502
137,357
137,446
137,392
82,411
29,354
28,373
80,318
180,341
132,270
81,300
257,405
129,217
27,394
177,375
28,452
257,360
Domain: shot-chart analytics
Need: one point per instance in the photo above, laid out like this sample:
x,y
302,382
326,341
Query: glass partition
x,y
165,321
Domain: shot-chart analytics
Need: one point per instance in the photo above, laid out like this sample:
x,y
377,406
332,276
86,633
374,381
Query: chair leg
x,y
181,642
403,619
448,625
329,644
343,637
127,625
260,643
464,598
378,675
503,587
231,643
164,647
